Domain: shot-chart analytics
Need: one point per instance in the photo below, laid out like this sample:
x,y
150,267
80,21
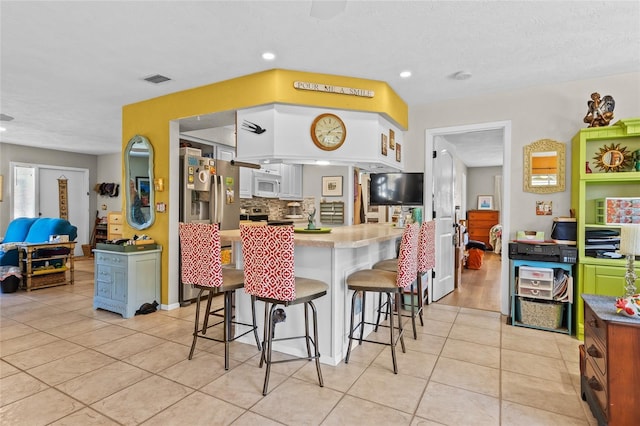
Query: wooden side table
x,y
43,267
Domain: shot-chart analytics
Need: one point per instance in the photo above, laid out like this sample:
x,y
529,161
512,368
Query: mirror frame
x,y
127,173
544,145
624,158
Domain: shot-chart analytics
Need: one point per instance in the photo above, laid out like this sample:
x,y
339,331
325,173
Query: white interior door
x,y
444,207
78,199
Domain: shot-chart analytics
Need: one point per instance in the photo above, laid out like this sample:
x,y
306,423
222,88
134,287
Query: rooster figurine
x,y
600,111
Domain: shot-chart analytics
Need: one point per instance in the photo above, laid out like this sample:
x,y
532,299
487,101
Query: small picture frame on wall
x,y
383,144
485,202
398,153
392,139
332,186
544,208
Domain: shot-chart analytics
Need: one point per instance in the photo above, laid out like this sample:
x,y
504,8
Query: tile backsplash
x,y
278,208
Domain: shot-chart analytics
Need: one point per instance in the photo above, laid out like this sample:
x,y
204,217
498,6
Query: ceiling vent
x,y
157,79
5,117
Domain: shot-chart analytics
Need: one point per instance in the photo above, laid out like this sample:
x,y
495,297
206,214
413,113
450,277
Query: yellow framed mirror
x,y
544,167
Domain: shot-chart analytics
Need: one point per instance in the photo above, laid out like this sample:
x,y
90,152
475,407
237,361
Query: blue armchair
x,y
32,230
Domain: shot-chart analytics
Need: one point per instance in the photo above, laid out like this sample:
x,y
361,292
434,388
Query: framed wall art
x,y
398,153
383,144
544,208
392,139
485,202
332,186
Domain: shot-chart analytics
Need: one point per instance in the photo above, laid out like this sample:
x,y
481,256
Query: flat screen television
x,y
392,189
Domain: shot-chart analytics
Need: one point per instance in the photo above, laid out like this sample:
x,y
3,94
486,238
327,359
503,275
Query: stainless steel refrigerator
x,y
208,194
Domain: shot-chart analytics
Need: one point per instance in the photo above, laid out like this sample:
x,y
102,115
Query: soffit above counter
x,y
282,133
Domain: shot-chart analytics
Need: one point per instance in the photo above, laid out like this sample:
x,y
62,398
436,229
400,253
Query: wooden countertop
x,y
352,236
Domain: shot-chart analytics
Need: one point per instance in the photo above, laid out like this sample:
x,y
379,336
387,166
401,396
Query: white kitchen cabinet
x,y
276,168
225,153
291,188
246,182
126,280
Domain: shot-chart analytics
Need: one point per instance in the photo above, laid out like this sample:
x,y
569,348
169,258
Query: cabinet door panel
x,y
119,285
147,284
603,280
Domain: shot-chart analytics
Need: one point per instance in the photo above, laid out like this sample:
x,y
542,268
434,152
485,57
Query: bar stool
x,y
269,276
201,266
390,283
426,262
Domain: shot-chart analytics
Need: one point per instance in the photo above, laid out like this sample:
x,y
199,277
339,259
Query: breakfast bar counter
x,y
353,236
329,257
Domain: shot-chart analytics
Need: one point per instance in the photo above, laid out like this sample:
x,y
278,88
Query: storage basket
x,y
48,279
86,250
541,313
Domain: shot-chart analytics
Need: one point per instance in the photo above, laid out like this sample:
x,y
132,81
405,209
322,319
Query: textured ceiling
x,y
68,67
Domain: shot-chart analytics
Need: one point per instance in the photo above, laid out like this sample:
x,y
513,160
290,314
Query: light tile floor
x,y
64,363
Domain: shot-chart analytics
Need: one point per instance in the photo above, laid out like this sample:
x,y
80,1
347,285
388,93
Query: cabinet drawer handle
x,y
594,384
593,322
594,352
535,282
535,292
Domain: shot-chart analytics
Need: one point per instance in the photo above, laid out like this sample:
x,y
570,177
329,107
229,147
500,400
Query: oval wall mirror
x,y
138,161
544,166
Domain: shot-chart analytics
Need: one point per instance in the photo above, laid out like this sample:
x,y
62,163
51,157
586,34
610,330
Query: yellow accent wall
x,y
151,119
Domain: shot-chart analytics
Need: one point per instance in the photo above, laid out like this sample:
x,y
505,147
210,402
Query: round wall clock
x,y
328,132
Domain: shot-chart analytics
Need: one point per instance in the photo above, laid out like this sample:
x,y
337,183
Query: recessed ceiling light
x,y
461,75
322,162
268,56
2,129
405,74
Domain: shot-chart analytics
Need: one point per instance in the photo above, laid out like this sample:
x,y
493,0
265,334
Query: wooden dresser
x,y
610,362
114,226
479,222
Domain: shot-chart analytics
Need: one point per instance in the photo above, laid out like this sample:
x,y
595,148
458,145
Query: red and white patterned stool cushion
x,y
200,254
426,246
269,270
408,256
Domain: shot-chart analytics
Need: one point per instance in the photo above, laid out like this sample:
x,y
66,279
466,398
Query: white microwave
x,y
266,184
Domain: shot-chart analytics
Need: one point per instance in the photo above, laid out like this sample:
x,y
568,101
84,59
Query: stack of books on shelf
x,y
601,241
562,286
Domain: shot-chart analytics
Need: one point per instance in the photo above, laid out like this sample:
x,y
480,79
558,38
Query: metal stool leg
x,y
393,345
207,311
269,344
353,309
315,340
228,314
400,328
420,299
197,324
379,312
255,327
307,336
413,313
265,334
364,303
